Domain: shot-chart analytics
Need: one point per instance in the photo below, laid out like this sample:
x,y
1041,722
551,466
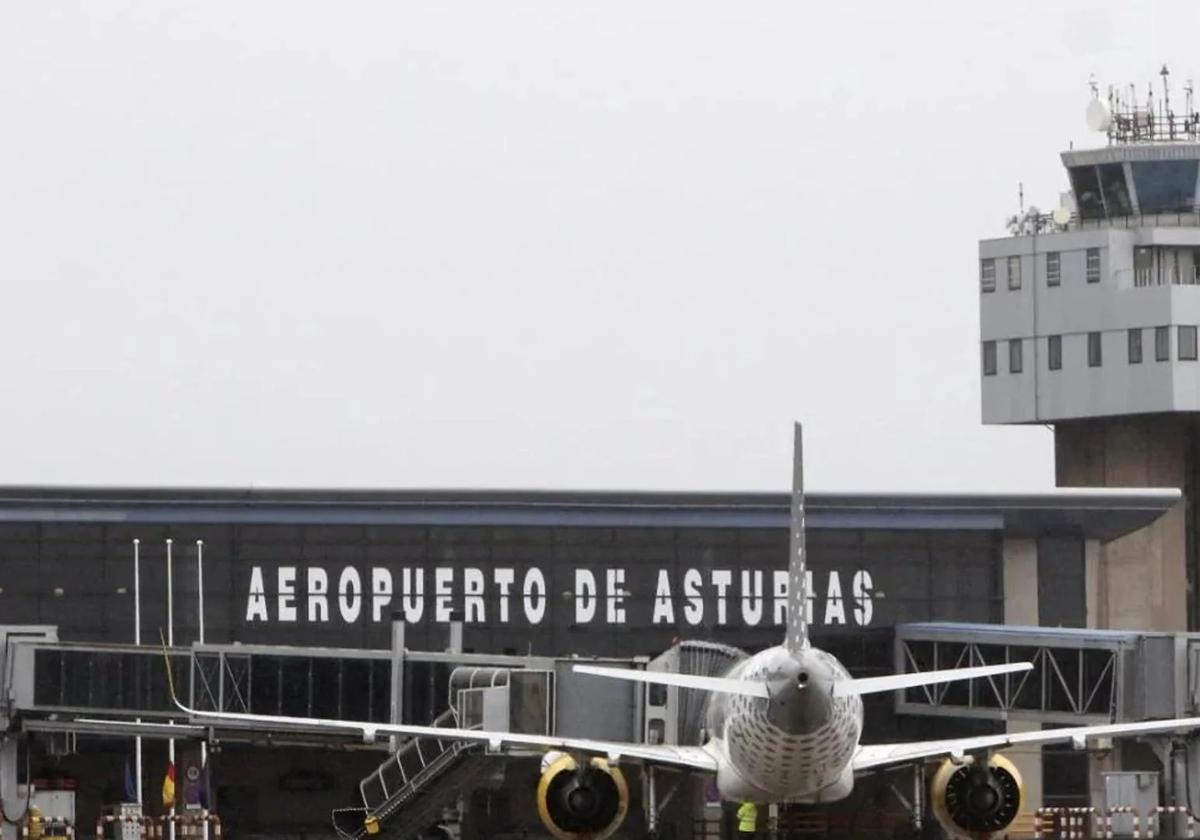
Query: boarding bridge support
x,y
424,774
17,685
1080,677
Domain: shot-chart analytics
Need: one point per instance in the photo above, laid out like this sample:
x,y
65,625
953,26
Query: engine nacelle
x,y
581,802
977,801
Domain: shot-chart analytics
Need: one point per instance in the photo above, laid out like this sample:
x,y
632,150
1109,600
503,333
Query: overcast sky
x,y
527,244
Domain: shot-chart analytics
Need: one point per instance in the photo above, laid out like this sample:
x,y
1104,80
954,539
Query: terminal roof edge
x,y
1101,513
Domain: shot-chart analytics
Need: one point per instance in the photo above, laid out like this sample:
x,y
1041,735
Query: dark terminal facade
x,y
528,573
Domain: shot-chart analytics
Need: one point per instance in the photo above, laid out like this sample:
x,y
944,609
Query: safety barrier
x,y
1154,821
148,826
36,828
1043,817
191,826
1118,811
1076,827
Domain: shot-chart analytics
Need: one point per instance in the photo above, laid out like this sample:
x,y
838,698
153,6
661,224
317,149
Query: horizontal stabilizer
x,y
874,685
746,687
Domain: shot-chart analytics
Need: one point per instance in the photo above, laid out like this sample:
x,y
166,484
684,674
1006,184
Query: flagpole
x,y
137,640
200,607
170,644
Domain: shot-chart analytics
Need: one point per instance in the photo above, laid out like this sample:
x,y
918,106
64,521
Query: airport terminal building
x,y
546,574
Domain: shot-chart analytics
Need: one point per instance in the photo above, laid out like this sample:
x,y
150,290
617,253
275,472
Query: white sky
x,y
527,244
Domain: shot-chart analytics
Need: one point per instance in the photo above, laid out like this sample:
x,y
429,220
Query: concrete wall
x,y
1021,607
1141,579
1071,310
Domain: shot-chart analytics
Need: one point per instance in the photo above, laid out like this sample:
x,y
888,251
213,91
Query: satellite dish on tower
x,y
1097,116
1061,216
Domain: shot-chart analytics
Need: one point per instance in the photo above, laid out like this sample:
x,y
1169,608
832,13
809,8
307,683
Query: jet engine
x,y
977,801
577,801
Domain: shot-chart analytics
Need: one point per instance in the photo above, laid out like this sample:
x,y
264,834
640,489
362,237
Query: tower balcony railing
x,y
1142,278
1044,223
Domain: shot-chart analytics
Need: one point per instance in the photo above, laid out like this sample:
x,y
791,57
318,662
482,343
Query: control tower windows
x,y
1053,268
1093,265
987,275
1162,344
1054,352
1014,356
989,358
1095,350
1014,273
1116,191
1187,343
1085,183
1135,346
1165,186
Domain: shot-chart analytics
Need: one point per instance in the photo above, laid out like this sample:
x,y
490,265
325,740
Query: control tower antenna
x,y
1187,100
1165,73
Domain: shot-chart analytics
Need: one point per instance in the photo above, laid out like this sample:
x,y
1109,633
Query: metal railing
x,y
1044,223
1141,278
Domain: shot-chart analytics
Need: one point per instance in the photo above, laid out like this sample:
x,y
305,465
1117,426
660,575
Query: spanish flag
x,y
169,787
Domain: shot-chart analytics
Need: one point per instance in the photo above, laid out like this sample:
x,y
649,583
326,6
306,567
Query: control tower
x,y
1088,323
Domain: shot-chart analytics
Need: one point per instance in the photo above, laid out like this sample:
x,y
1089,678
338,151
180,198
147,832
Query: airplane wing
x,y
750,688
688,758
881,755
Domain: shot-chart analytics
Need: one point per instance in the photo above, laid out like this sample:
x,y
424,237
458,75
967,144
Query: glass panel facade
x,y
1135,346
1053,268
1187,343
1085,183
987,275
1093,265
1162,344
1165,186
1014,273
541,590
1116,191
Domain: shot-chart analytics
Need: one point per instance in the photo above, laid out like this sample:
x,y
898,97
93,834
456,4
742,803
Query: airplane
x,y
783,726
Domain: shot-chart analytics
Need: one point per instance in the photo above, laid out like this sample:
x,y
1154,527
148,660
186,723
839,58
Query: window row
x,y
987,270
1186,349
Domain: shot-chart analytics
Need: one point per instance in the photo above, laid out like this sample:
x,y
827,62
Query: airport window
x,y
1053,268
1115,190
1095,353
987,275
1085,183
1187,344
1162,344
1165,186
1014,356
1054,352
1014,272
989,358
1093,265
1135,346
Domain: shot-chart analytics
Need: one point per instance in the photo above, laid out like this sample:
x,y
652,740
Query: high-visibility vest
x,y
747,814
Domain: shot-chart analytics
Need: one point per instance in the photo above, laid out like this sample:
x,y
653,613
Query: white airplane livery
x,y
782,725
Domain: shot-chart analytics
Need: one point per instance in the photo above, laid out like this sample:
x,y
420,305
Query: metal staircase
x,y
417,781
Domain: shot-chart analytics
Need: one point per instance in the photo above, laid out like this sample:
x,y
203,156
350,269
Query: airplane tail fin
x,y
796,638
874,685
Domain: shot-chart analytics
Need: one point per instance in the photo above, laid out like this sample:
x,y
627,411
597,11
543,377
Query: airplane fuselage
x,y
798,745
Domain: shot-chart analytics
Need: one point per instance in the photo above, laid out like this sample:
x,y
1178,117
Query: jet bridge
x,y
58,689
1080,676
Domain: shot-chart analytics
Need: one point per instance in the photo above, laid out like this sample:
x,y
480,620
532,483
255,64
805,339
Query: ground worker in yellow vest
x,y
747,820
